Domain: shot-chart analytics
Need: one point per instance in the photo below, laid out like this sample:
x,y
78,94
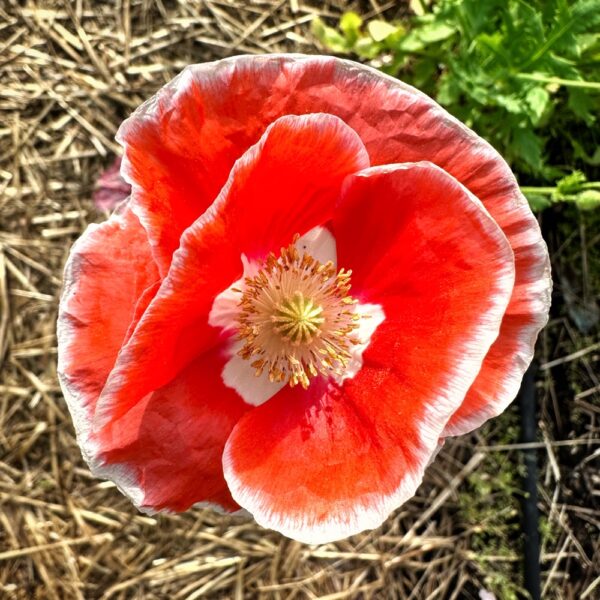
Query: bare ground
x,y
69,73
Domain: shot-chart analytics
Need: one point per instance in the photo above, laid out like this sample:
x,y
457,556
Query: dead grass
x,y
69,73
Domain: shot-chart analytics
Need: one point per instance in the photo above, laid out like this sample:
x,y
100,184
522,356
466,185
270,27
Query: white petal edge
x,y
120,475
76,399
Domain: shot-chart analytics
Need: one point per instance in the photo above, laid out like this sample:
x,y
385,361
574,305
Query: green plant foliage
x,y
524,74
572,188
489,508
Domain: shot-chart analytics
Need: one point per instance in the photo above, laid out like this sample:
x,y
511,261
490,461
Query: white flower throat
x,y
296,318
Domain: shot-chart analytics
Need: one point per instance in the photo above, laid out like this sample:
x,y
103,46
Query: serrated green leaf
x,y
379,30
571,183
507,68
586,15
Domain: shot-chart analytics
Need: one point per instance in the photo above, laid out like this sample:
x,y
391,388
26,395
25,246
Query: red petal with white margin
x,y
172,441
176,161
288,183
107,272
329,462
197,126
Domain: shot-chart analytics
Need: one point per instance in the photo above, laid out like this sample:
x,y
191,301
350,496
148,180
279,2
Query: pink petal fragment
x,y
111,189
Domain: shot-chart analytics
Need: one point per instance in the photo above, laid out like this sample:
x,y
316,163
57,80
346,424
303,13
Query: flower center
x,y
297,319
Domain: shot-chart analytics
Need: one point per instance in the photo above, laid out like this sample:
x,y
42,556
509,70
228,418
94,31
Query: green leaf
x,y
510,102
590,159
365,47
586,15
436,31
379,30
350,24
411,42
528,147
523,73
417,7
538,201
582,104
329,37
571,183
495,43
538,101
424,73
448,90
587,41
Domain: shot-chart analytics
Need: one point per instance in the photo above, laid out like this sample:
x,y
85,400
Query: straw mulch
x,y
69,73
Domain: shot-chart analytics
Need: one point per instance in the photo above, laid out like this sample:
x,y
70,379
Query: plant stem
x,y
590,85
548,191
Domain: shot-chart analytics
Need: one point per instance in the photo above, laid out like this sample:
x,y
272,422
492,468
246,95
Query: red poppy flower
x,y
319,275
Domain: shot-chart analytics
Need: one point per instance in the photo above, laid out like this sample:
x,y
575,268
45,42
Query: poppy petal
x,y
286,184
171,443
422,130
400,124
175,163
328,462
502,371
109,268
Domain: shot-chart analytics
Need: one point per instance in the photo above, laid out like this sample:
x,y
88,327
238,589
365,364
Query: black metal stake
x,y
530,522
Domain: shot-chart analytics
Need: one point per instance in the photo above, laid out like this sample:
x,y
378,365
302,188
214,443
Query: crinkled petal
x,y
171,443
325,463
110,267
286,184
177,160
